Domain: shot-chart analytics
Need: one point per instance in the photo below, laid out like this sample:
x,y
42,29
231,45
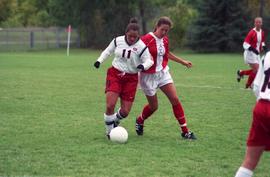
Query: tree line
x,y
202,25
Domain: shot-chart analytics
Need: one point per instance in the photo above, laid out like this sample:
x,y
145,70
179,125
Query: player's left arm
x,y
173,57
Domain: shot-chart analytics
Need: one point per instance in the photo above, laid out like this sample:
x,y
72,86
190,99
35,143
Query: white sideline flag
x,y
68,39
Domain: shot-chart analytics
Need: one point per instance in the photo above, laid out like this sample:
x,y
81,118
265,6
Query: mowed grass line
x,y
51,112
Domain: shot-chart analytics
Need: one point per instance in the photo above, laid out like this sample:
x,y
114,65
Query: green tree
x,y
5,9
181,16
26,13
220,27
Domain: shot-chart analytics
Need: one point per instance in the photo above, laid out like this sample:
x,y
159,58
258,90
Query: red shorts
x,y
259,134
123,83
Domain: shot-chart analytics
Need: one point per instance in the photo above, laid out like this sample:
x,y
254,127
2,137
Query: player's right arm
x,y
106,53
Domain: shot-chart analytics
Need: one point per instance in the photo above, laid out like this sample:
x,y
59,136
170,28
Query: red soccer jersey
x,y
159,49
252,39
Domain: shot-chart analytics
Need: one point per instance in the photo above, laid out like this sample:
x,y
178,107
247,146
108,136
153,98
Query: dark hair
x,y
133,25
163,21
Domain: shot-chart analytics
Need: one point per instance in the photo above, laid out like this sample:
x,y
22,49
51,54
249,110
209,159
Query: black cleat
x,y
239,77
189,136
139,128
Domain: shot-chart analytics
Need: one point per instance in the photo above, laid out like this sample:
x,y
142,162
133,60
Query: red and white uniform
x,y
255,39
260,129
122,77
158,74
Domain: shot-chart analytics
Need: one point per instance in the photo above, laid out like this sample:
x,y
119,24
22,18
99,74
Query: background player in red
x,y
131,56
253,45
158,76
259,135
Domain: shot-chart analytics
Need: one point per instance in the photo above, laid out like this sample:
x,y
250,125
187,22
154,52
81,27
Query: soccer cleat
x,y
239,77
189,136
139,128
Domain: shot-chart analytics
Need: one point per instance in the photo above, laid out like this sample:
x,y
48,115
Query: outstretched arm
x,y
173,57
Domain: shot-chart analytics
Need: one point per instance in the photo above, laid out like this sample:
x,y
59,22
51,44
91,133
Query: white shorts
x,y
250,57
150,82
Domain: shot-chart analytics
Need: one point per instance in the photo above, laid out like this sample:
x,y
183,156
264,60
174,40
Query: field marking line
x,y
209,86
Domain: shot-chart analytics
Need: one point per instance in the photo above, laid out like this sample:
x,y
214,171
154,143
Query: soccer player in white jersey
x,y
131,56
253,45
259,135
158,76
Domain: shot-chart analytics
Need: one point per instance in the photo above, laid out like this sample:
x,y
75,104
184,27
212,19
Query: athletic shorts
x,y
150,82
250,57
123,83
259,134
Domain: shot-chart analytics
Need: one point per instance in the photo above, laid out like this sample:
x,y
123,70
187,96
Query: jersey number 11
x,y
124,53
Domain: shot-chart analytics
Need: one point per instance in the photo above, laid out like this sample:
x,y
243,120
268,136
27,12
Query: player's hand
x,y
97,64
188,64
141,67
253,50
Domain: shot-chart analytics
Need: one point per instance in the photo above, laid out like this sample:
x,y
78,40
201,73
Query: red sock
x,y
246,72
180,116
250,80
147,112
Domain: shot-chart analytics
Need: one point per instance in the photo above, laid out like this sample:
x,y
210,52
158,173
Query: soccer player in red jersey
x,y
158,76
259,135
253,45
131,57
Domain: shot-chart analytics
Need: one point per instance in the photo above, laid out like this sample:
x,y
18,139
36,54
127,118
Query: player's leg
x,y
242,73
109,116
253,154
170,91
129,88
250,162
258,139
112,90
149,85
147,111
124,110
252,75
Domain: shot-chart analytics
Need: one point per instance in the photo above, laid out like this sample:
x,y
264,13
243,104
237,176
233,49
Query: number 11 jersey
x,y
127,57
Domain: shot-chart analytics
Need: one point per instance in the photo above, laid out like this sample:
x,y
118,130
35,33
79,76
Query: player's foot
x,y
189,136
239,76
139,128
109,126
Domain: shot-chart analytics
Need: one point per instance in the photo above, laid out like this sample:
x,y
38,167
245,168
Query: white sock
x,y
244,172
109,118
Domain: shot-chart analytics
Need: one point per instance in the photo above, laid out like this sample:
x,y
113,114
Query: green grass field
x,y
51,113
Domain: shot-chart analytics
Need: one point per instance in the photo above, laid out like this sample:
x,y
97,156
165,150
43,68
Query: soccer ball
x,y
119,135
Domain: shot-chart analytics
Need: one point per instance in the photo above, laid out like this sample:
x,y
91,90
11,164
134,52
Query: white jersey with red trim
x,y
261,84
127,57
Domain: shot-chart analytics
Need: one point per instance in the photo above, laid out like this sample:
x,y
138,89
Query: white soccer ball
x,y
119,135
